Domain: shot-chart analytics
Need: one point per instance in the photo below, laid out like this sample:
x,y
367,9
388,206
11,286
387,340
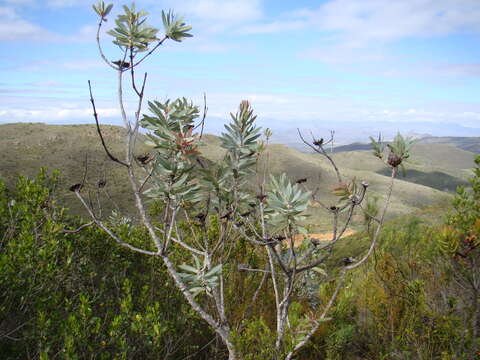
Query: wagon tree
x,y
207,209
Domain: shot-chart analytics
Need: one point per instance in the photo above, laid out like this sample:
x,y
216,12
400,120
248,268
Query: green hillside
x,y
26,147
471,143
407,196
440,166
465,143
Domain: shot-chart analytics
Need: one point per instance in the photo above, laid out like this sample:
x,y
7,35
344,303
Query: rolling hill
x,y
26,147
465,143
363,166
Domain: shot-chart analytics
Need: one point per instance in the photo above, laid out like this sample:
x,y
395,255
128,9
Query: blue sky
x,y
409,65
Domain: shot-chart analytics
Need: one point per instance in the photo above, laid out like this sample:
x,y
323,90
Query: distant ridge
x,y
471,144
356,146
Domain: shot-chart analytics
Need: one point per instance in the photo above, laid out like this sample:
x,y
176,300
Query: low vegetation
x,y
67,293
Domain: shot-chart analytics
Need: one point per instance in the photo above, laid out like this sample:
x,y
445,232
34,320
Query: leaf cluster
x,y
198,278
398,150
175,145
286,202
102,10
131,31
174,26
241,140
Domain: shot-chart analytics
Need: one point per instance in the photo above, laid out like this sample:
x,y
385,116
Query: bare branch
x,y
102,226
146,180
68,231
202,122
318,322
95,115
319,149
382,219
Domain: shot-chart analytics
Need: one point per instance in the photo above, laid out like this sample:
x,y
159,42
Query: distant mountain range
x,y
354,132
471,144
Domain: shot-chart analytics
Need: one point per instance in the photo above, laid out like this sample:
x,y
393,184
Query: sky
x,y
358,66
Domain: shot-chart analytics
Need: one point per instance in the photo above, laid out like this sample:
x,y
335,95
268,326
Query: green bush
x,y
73,296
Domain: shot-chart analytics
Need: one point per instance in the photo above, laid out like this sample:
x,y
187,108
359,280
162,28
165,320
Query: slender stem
x,y
318,322
109,232
95,115
100,50
67,231
150,52
379,227
120,100
319,149
348,268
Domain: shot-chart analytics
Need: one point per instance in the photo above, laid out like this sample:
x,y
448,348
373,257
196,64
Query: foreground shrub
x,y
67,295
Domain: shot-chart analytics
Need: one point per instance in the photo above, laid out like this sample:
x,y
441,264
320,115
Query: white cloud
x,y
54,114
362,21
213,16
20,2
231,11
359,30
64,3
21,30
7,13
14,28
273,27
459,70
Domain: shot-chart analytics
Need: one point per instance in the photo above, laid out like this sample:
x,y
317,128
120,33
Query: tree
x,y
208,210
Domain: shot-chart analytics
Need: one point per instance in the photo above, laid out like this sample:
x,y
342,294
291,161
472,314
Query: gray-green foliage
x,y
175,145
286,203
240,138
399,149
102,10
226,182
132,33
175,28
199,278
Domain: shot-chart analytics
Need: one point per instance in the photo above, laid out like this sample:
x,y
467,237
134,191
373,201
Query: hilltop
x,y
25,147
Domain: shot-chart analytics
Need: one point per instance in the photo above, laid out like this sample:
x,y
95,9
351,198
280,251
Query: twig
x,y
318,322
149,53
202,122
109,232
323,152
95,115
146,180
379,227
67,231
200,350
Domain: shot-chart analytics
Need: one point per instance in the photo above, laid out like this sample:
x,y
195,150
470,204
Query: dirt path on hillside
x,y
327,236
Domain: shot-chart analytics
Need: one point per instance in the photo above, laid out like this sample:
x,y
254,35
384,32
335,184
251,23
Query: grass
x,y
24,148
